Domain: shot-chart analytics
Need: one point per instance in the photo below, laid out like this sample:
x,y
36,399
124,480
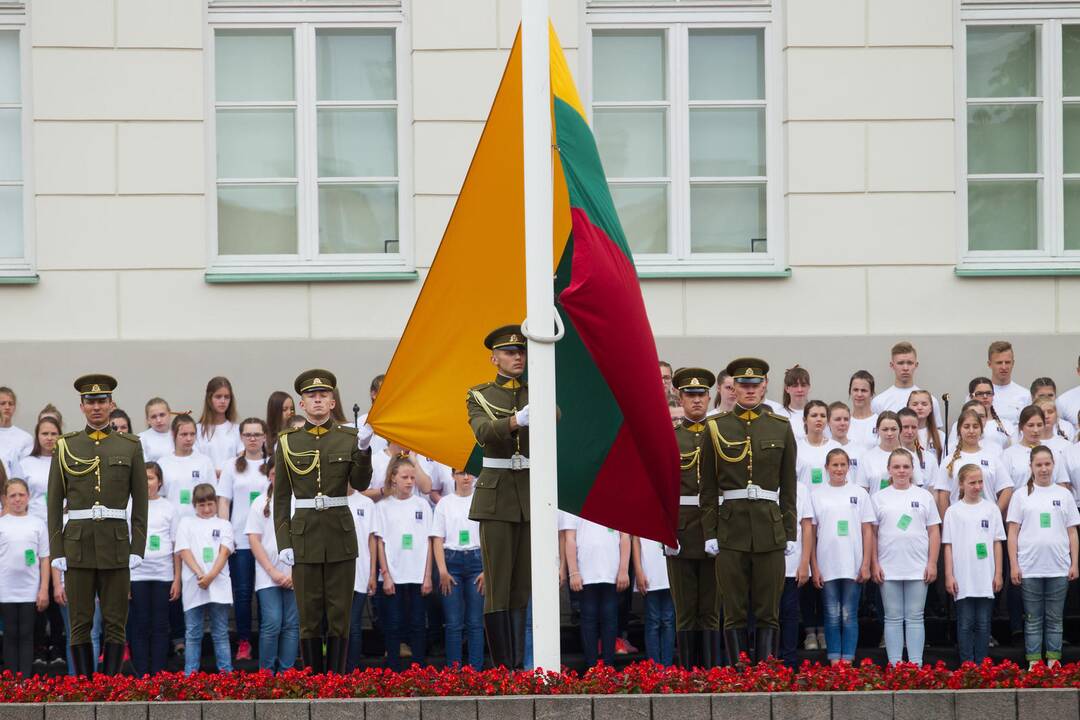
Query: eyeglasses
x,y
983,393
252,436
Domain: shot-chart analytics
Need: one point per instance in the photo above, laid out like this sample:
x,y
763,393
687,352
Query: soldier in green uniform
x,y
313,467
499,416
692,571
95,472
748,506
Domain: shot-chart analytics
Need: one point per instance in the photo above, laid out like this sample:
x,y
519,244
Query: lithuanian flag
x,y
618,462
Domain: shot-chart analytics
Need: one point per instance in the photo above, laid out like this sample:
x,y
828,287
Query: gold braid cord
x,y
719,441
288,455
487,407
692,460
92,466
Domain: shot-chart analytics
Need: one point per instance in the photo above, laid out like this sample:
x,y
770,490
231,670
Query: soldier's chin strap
x,y
560,331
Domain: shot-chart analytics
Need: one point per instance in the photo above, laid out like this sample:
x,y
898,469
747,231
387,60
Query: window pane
x,y
1003,139
629,65
1071,132
727,218
727,64
1070,60
725,142
257,220
643,214
256,144
11,231
1003,215
10,145
1072,214
9,67
1002,61
358,218
357,143
356,65
253,65
632,143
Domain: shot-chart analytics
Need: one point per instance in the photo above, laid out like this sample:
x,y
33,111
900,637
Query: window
x,y
1022,150
15,198
309,160
690,150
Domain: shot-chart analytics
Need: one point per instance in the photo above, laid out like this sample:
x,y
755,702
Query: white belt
x,y
691,500
517,462
753,492
320,502
98,512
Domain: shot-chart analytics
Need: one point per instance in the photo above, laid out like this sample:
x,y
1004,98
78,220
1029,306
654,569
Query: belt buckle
x,y
97,512
517,461
751,492
320,502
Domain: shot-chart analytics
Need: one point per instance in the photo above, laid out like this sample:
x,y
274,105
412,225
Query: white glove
x,y
286,556
790,549
522,416
134,561
60,564
672,551
712,547
363,437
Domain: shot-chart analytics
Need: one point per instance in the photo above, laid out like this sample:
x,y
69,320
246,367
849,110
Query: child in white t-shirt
x,y
997,486
156,440
904,362
931,437
814,446
185,468
873,473
796,574
279,620
971,534
456,544
906,553
364,516
1017,458
1043,549
403,525
204,543
36,465
651,578
14,442
863,420
218,433
843,527
598,560
24,566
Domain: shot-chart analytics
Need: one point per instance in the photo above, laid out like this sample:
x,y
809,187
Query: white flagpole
x,y
539,287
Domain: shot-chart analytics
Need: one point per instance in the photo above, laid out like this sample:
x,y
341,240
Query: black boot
x,y
765,644
335,657
499,642
714,640
732,646
517,629
311,652
114,658
685,642
82,657
705,651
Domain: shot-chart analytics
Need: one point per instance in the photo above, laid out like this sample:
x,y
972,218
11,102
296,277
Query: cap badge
x,y
95,388
316,381
749,372
514,339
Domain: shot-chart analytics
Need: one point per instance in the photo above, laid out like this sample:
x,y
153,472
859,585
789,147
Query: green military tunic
x,y
311,462
103,468
501,496
692,573
742,449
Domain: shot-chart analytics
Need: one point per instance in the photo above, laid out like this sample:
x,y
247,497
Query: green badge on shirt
x,y
841,528
185,497
252,495
406,541
208,554
904,521
155,542
463,537
980,551
884,483
1044,520
31,558
816,476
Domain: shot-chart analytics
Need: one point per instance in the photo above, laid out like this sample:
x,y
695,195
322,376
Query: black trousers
x,y
19,636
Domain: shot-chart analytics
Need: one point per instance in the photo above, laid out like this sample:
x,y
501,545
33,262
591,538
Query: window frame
x,y
309,264
13,16
1050,257
677,20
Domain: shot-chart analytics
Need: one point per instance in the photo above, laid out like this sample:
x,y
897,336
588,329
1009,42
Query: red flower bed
x,y
645,677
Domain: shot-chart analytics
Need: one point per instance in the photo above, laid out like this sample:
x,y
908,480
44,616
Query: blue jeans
x,y
464,608
404,617
599,620
1044,602
528,662
356,631
904,602
148,616
219,634
659,626
242,574
840,601
279,629
789,622
973,627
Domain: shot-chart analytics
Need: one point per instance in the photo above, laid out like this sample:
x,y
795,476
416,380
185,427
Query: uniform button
x,y
97,442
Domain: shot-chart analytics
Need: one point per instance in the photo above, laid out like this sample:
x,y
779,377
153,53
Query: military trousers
x,y
505,551
111,588
693,590
746,577
324,589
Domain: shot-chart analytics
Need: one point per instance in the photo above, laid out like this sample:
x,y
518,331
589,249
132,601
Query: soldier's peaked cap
x,y
317,379
95,386
748,370
693,380
508,336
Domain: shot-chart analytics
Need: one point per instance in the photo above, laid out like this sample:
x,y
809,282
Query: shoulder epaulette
x,y
722,413
128,436
778,416
71,434
481,386
286,431
348,430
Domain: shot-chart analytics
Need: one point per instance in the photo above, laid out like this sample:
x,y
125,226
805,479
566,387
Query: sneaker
x,y
1032,664
243,650
992,642
622,647
405,651
179,646
821,639
810,643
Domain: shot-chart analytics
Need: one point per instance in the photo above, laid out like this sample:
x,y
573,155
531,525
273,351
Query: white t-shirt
x,y
35,471
18,443
795,417
996,478
924,439
863,431
994,437
263,526
654,564
364,516
453,525
1017,460
1065,430
243,488
873,474
903,517
1072,468
204,537
1044,517
222,446
10,459
162,522
404,527
23,542
895,399
972,530
804,509
180,475
810,462
839,513
1068,404
156,445
1009,400
597,551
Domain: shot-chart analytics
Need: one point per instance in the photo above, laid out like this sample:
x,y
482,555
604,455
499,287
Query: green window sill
x,y
1018,272
20,279
225,278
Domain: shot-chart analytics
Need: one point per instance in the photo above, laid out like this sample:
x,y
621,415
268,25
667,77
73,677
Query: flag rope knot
x,y
560,331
